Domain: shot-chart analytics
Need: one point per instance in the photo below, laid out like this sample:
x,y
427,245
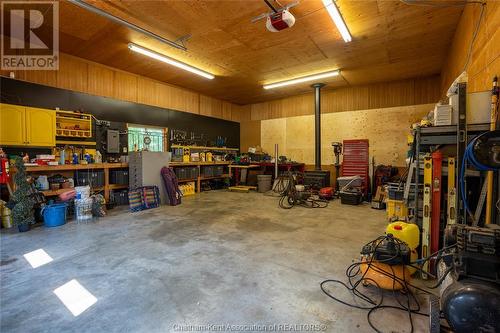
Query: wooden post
x,y
106,182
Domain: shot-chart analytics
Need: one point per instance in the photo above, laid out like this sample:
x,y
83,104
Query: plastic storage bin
x,y
396,210
208,171
218,170
119,197
351,198
351,181
54,215
119,177
91,177
180,173
192,172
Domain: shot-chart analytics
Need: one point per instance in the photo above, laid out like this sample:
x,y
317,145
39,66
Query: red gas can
x,y
326,193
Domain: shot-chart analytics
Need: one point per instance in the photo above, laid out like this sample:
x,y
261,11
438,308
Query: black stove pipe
x,y
317,124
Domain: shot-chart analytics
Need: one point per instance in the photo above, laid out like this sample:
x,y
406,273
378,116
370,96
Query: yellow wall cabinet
x,y
26,126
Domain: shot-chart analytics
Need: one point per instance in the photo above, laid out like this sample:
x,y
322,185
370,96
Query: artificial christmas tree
x,y
22,212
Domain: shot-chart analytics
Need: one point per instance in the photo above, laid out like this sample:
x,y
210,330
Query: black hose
x,y
355,279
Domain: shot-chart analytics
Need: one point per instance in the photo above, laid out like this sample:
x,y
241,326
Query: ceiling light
x,y
332,9
302,79
169,61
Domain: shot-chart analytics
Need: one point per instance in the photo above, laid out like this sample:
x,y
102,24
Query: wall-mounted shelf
x,y
74,133
75,143
73,124
174,164
205,148
69,168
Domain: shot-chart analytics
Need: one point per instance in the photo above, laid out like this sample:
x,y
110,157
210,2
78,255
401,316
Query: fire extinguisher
x,y
4,170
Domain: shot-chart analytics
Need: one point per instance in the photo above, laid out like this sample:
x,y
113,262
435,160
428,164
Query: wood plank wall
x,y
485,58
85,76
88,77
370,97
373,96
385,128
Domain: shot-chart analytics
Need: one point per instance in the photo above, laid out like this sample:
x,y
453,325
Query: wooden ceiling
x,y
391,41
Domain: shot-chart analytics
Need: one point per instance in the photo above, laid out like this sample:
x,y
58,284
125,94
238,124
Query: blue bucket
x,y
54,215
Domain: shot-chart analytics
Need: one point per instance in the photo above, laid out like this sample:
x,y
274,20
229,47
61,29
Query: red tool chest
x,y
356,161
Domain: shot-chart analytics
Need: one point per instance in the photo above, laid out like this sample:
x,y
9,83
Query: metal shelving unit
x,y
459,135
427,137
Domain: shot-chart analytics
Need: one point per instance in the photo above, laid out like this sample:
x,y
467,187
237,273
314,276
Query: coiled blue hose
x,y
470,158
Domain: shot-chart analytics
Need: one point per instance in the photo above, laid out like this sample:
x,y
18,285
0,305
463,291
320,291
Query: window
x,y
146,138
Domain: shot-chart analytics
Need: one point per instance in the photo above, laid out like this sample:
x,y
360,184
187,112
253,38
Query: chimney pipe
x,y
317,124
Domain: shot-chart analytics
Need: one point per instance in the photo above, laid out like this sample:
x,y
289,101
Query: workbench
x,y
198,179
264,167
292,166
71,168
237,168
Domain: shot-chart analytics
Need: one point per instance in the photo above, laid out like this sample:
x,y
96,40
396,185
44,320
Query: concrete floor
x,y
219,258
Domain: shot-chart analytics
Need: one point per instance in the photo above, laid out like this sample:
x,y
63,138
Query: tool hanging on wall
x,y
426,219
437,160
452,192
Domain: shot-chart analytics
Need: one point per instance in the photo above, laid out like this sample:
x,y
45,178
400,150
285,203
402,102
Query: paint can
x,y
6,217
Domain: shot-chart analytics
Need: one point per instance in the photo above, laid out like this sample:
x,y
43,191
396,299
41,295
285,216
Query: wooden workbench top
x,y
198,163
44,168
244,166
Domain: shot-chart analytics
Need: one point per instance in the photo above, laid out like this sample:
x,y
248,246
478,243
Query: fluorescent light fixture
x,y
37,258
302,79
170,61
75,297
332,9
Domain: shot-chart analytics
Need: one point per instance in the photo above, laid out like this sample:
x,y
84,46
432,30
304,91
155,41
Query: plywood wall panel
x,y
72,74
385,128
275,109
125,86
48,78
184,100
483,65
299,136
300,105
163,95
241,113
381,95
273,131
100,80
260,111
226,110
211,107
426,90
250,134
89,77
146,91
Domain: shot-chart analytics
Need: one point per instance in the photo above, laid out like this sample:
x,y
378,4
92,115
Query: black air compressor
x,y
470,273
